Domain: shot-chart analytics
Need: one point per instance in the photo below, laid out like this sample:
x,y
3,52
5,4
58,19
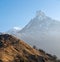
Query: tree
x,y
1,44
54,57
42,51
35,47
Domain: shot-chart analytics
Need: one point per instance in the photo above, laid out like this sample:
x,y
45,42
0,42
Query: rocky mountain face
x,y
43,32
13,49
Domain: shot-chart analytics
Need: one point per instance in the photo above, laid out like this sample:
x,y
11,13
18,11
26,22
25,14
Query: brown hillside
x,y
15,50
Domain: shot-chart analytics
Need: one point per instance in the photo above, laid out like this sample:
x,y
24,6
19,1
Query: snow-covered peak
x,y
41,31
40,13
42,23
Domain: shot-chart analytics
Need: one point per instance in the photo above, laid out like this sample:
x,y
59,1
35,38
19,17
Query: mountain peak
x,y
40,13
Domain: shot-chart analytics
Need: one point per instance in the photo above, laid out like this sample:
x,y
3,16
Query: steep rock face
x,y
43,32
15,50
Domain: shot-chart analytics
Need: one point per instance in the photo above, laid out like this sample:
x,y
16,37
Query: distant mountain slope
x,y
43,32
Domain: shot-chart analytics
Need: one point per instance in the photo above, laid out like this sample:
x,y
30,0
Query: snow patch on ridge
x,y
17,28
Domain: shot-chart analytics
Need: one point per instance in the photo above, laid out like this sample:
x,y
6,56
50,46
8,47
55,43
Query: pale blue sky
x,y
19,12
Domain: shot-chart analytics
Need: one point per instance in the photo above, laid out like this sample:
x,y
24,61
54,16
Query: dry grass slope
x,y
13,49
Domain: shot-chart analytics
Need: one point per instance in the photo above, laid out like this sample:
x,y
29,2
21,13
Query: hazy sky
x,y
15,13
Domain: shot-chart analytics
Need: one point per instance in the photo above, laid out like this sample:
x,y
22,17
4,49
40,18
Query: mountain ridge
x,y
10,47
43,32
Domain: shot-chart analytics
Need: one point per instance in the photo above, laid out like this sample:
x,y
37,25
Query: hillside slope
x,y
15,50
